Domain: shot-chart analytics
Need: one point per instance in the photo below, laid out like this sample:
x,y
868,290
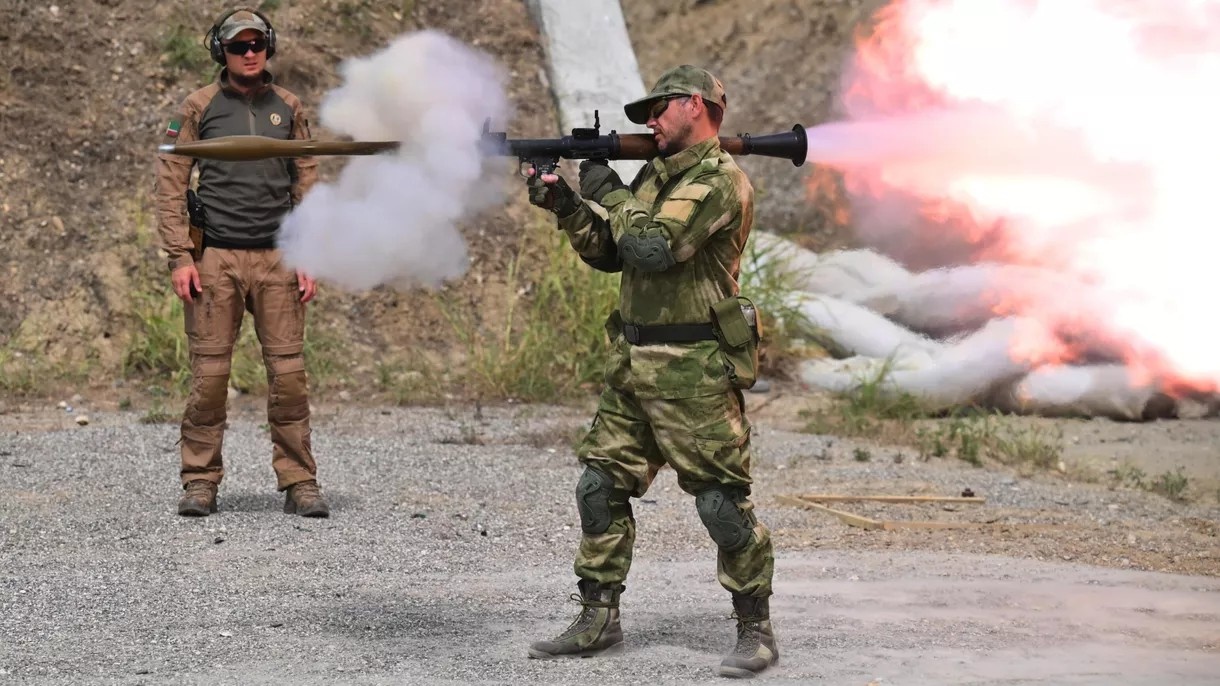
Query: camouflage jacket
x,y
702,202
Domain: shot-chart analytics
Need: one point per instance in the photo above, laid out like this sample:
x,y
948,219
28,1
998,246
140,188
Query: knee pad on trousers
x,y
288,392
210,383
730,527
599,502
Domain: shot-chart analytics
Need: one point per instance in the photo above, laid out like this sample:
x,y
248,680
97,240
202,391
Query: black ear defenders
x,y
212,38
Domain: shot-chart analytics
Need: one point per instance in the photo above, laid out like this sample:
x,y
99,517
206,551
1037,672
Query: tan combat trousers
x,y
234,282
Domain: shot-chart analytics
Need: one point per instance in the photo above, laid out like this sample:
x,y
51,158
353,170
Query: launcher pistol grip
x,y
542,165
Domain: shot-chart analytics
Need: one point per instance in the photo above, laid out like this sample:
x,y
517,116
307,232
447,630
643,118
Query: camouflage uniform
x,y
672,403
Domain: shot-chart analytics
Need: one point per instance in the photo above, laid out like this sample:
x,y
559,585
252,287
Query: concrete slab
x,y
591,66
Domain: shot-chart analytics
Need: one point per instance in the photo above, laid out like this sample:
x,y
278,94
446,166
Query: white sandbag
x,y
844,272
846,329
954,300
1108,390
767,253
964,373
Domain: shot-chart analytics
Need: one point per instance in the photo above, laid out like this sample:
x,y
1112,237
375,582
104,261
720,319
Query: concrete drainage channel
x,y
590,66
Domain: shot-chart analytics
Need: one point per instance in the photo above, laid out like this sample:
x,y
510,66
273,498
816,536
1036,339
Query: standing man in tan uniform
x,y
232,265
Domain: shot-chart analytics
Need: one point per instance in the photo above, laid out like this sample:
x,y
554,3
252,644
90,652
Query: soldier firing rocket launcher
x,y
542,153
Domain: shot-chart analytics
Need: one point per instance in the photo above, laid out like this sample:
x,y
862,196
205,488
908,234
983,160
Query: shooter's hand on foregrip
x,y
597,179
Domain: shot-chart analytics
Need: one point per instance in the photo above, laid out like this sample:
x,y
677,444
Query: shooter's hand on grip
x,y
552,193
597,179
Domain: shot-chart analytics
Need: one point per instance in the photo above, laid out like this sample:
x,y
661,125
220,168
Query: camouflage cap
x,y
681,80
240,21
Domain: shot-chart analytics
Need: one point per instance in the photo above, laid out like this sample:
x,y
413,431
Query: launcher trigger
x,y
540,167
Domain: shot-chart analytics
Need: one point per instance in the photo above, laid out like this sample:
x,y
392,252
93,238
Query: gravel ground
x,y
451,545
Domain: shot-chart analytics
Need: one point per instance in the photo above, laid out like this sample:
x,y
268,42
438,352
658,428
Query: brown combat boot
x,y
595,631
306,499
198,500
756,647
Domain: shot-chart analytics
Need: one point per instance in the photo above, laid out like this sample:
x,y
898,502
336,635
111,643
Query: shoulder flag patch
x,y
174,127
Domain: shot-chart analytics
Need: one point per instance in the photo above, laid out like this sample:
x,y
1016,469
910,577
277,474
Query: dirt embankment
x,y
82,118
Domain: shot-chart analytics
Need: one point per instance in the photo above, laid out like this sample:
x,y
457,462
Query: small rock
x,y
227,634
345,396
276,625
63,404
218,540
82,419
78,398
233,393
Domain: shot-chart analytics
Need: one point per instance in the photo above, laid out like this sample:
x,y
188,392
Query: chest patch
x,y
276,119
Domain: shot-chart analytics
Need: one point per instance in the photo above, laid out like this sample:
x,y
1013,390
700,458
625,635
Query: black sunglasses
x,y
659,108
241,47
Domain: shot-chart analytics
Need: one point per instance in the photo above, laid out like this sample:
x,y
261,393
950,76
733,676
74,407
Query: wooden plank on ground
x,y
845,517
843,498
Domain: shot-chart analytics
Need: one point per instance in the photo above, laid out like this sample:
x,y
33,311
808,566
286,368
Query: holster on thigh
x,y
287,388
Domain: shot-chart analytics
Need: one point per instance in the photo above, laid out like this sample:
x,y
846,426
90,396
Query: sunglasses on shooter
x,y
241,47
659,108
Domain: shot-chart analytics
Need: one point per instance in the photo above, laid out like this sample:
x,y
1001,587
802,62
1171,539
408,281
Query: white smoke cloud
x,y
393,218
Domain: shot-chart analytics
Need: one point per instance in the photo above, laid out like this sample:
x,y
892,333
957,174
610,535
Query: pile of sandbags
x,y
938,335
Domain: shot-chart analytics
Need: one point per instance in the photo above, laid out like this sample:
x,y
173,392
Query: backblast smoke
x,y
1073,135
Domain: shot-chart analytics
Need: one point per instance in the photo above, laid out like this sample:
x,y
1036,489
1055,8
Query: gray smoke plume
x,y
393,218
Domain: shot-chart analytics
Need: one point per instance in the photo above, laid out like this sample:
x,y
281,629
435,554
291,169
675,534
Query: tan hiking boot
x,y
756,647
306,499
595,631
198,499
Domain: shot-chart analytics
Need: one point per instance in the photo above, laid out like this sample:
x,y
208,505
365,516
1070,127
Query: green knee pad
x,y
599,502
729,526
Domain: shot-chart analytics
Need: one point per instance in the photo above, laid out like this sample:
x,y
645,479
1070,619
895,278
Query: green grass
x,y
184,51
1172,484
769,279
872,410
551,338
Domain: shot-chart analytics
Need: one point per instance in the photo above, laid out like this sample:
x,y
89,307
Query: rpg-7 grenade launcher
x,y
543,153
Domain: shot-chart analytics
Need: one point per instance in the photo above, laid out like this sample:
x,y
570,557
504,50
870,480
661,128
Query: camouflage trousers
x,y
706,440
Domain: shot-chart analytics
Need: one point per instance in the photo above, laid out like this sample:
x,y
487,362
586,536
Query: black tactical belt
x,y
209,242
667,333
